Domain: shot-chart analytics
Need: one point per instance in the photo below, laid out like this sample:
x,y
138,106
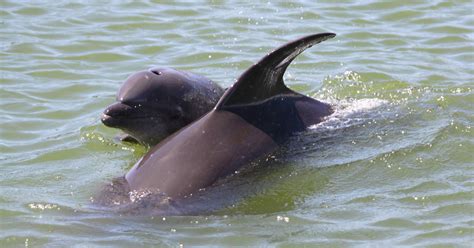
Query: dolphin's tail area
x,y
265,79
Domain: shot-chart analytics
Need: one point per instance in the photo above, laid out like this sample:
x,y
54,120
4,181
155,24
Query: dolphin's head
x,y
150,105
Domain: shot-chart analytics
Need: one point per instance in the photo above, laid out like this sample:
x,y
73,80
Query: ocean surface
x,y
394,166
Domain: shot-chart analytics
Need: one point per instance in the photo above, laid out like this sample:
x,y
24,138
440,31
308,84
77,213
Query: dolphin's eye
x,y
156,72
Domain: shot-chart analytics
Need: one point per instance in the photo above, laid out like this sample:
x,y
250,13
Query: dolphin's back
x,y
214,146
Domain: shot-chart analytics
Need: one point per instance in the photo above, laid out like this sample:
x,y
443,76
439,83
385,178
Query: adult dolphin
x,y
153,104
253,117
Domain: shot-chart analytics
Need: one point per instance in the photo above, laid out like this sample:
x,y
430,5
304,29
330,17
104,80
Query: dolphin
x,y
155,103
251,120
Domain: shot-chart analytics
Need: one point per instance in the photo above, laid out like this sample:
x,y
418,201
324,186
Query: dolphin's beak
x,y
114,113
107,120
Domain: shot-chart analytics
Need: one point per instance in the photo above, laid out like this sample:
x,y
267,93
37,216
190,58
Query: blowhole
x,y
156,72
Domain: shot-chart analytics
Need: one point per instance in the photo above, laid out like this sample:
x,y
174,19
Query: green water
x,y
394,167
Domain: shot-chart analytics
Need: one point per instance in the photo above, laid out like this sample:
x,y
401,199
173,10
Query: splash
x,y
352,112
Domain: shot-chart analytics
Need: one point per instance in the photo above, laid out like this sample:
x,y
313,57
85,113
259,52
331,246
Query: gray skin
x,y
155,103
251,120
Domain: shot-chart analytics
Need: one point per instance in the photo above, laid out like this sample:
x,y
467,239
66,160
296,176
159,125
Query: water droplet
x,y
283,218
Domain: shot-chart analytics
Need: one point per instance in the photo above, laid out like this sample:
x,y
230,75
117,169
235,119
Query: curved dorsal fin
x,y
265,79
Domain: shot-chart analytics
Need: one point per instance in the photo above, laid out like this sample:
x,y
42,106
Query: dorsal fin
x,y
265,79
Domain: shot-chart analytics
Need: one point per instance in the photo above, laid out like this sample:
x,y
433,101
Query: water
x,y
393,167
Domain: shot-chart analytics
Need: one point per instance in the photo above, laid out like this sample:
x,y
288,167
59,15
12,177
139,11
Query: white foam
x,y
350,112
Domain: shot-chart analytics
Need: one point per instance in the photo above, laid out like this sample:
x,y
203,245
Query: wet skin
x,y
252,119
153,104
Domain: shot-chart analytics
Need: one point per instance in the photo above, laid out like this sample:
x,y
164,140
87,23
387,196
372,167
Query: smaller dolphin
x,y
155,103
